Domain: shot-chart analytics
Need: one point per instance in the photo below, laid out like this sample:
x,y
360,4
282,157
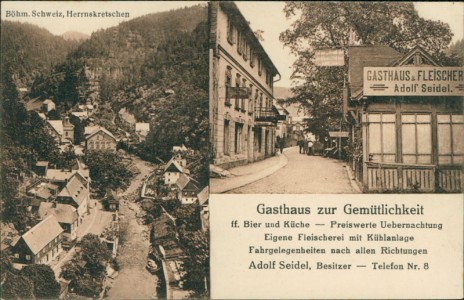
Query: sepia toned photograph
x,y
104,150
336,97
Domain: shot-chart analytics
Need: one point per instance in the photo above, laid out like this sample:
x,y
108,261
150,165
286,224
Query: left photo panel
x,y
104,150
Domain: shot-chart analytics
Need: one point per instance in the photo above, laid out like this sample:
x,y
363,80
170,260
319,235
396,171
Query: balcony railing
x,y
265,115
384,177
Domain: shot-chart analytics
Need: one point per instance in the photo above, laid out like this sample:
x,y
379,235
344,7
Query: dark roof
x,y
367,56
164,227
232,9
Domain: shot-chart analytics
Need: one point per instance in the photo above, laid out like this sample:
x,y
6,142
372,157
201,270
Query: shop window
x,y
226,137
450,139
382,137
416,138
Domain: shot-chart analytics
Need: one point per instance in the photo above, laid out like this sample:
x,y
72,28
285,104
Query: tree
x,y
95,253
43,279
196,263
107,170
335,24
16,287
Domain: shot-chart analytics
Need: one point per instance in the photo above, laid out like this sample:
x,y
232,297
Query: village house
x,y
40,245
42,189
61,130
142,130
60,177
242,118
187,189
203,201
76,193
111,201
172,171
98,138
48,105
8,236
406,122
66,216
282,120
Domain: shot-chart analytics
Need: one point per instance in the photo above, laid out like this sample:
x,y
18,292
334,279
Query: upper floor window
x,y
228,85
244,86
250,101
239,41
237,91
252,58
260,66
230,32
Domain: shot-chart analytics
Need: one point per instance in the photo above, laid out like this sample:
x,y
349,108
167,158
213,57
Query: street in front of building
x,y
302,174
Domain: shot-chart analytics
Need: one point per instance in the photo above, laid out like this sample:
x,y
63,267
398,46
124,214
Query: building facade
x,y
242,119
98,139
407,122
40,245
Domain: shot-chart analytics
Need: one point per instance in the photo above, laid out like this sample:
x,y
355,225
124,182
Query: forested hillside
x,y
29,50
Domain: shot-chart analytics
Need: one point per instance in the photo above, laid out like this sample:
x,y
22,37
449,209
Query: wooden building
x,y
407,123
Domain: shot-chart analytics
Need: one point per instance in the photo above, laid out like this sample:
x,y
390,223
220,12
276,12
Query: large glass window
x,y
450,139
416,138
381,137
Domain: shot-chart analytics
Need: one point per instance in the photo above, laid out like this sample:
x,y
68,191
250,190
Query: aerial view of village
x,y
104,151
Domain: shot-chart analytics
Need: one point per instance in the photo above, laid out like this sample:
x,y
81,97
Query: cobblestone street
x,y
303,174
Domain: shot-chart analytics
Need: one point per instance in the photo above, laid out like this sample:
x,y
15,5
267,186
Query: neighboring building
x,y
40,245
8,236
142,130
172,171
282,120
60,177
111,201
242,119
42,190
61,130
187,189
65,214
407,122
203,201
76,193
41,168
98,138
48,105
82,115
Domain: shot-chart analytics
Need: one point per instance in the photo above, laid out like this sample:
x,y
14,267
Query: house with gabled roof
x,y
203,201
99,138
172,171
39,245
405,113
65,214
187,189
61,130
48,105
76,193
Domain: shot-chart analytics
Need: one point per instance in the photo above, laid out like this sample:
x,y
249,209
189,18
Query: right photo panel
x,y
316,98
337,150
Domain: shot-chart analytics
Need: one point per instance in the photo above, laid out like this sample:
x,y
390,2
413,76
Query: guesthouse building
x,y
407,122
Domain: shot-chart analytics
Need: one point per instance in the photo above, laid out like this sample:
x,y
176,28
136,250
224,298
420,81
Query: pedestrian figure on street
x,y
305,146
310,147
281,145
300,143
